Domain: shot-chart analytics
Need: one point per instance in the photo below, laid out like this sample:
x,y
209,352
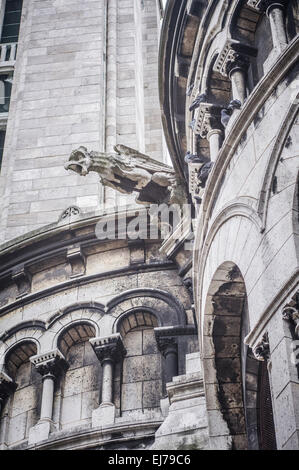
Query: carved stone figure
x,y
128,171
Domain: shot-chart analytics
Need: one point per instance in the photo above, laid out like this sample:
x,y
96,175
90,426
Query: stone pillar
x,y
167,345
236,69
7,387
50,365
275,13
169,349
109,350
215,139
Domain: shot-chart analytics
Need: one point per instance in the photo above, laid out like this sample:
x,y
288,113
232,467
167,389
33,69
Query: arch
x,y
96,306
18,354
74,333
92,330
136,318
167,308
29,334
222,355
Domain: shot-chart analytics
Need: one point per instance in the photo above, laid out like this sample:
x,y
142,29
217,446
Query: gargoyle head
x,y
79,161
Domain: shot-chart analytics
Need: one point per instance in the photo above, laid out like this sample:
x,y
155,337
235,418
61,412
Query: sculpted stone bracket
x,y
7,386
207,118
50,363
77,260
233,55
22,277
109,348
262,350
69,213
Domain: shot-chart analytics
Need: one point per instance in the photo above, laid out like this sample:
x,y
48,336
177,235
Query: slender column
x,y
168,347
50,365
275,13
215,138
109,350
236,69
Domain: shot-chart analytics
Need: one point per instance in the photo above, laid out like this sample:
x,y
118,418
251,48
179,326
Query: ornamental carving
x,y
234,55
290,313
262,349
109,348
50,363
7,386
128,171
207,118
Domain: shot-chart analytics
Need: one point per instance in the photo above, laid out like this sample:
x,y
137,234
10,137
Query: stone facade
x,y
127,342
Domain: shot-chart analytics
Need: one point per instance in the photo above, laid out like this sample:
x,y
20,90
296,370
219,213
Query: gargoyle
x,y
128,171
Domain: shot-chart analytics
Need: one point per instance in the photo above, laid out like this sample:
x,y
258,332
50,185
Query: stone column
x,y
236,68
50,365
109,350
169,349
215,139
7,387
275,13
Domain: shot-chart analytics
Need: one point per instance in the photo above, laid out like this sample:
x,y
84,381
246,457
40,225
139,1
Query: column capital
x,y
207,118
49,363
262,349
109,348
234,56
166,340
7,385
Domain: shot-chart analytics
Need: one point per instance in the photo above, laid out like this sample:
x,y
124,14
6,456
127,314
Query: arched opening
x,y
222,356
21,410
138,380
77,394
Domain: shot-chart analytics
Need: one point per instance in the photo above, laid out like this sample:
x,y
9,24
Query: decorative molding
x,y
263,5
70,212
262,349
52,362
109,348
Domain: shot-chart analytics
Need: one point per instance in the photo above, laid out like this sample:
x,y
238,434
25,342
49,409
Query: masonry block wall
x,y
85,74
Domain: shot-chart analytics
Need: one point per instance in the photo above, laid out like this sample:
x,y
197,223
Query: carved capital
x,y
234,56
77,261
7,386
207,118
22,277
109,348
262,349
50,363
166,339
